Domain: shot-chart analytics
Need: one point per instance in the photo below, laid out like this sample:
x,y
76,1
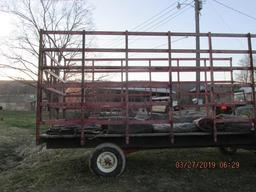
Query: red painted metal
x,y
91,97
170,88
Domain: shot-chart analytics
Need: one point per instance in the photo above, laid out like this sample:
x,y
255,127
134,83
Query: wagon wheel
x,y
107,160
228,150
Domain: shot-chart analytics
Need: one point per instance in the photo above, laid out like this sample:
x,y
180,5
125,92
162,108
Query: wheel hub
x,y
107,162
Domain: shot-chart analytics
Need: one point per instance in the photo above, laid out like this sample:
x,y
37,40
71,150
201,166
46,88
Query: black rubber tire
x,y
228,150
113,149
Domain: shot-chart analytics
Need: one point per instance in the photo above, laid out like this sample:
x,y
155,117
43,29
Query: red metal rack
x,y
56,63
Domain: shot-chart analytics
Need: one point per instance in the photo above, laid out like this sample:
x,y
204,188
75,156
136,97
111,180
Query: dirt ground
x,y
25,167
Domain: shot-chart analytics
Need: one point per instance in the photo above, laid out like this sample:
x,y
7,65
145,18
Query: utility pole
x,y
198,7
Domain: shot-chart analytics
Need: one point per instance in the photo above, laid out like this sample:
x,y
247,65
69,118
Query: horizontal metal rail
x,y
102,122
148,59
231,35
120,50
117,69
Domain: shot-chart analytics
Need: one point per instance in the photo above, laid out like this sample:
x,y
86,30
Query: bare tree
x,y
245,75
33,15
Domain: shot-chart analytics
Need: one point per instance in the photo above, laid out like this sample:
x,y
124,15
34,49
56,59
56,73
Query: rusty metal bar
x,y
39,89
150,80
179,86
111,95
145,59
104,105
107,50
83,91
102,122
112,84
206,90
145,33
139,84
63,90
122,80
212,88
126,89
93,70
100,105
232,88
170,88
116,69
252,79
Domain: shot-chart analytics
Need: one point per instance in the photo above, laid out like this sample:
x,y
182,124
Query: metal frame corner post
x,y
213,102
252,79
39,88
126,91
82,141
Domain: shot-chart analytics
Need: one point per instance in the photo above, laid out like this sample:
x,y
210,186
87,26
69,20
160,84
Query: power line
x,y
169,19
155,18
162,22
235,10
157,25
225,23
221,18
158,15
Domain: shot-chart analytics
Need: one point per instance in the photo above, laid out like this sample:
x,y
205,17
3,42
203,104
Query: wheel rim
x,y
107,162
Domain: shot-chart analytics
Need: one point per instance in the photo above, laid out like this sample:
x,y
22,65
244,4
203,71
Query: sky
x,y
134,15
127,14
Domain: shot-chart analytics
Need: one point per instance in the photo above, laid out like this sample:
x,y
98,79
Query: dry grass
x,y
38,169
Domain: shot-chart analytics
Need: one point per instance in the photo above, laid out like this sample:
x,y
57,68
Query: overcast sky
x,y
127,14
134,15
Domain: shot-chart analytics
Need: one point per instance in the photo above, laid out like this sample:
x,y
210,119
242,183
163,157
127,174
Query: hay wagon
x,y
119,98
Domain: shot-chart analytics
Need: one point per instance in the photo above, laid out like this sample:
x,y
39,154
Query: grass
x,y
22,119
153,170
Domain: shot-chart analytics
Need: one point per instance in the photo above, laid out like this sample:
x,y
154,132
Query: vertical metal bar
x,y
150,80
57,98
212,89
63,90
206,89
126,92
122,80
232,87
122,71
95,98
93,73
150,71
39,88
82,90
179,86
170,89
252,79
50,95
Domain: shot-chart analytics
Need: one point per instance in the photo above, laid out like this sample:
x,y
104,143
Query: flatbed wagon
x,y
108,97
